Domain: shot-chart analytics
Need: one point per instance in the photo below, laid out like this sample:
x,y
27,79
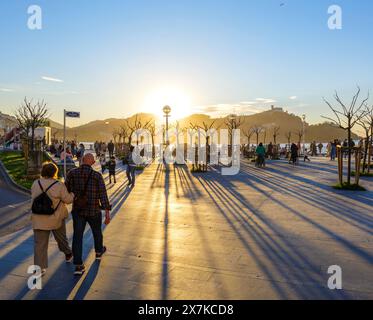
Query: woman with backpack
x,y
260,153
49,212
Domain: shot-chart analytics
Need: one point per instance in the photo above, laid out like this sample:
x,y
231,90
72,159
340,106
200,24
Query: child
x,y
103,163
111,165
306,156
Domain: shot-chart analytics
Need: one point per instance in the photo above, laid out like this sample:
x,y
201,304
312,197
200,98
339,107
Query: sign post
x,y
70,114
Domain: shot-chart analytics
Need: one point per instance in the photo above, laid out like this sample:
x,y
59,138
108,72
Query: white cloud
x,y
247,102
265,101
51,79
293,97
222,110
6,90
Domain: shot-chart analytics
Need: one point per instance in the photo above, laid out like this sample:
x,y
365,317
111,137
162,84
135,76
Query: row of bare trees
x,y
259,130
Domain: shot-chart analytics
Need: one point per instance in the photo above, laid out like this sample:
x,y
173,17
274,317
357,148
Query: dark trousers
x,y
131,174
79,223
111,153
112,174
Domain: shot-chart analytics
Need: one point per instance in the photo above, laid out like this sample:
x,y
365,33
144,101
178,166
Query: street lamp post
x,y
167,111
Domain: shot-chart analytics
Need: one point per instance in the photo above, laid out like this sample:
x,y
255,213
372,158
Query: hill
x,y
103,129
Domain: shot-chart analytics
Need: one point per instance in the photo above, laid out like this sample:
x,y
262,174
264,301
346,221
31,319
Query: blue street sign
x,y
72,114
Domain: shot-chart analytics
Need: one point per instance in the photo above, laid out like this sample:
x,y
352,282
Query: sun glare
x,y
179,102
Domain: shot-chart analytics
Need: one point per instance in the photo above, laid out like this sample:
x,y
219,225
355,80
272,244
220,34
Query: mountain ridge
x,y
322,132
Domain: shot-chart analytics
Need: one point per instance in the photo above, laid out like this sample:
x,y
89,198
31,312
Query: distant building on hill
x,y
273,108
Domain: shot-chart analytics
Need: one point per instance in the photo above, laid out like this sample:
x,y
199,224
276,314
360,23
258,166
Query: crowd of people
x,y
294,151
85,189
73,151
101,148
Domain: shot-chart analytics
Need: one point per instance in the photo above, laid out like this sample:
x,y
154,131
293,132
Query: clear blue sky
x,y
220,53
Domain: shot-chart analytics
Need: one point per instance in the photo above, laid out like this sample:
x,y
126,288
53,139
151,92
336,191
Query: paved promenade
x,y
263,234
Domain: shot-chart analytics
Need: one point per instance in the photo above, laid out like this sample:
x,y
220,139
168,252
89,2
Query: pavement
x,y
14,207
262,234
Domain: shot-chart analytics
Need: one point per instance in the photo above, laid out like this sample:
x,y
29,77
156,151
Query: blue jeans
x,y
131,174
79,223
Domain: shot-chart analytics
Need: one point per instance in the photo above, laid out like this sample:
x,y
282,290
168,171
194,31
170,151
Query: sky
x,y
113,58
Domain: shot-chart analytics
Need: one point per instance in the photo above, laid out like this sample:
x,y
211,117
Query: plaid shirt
x,y
96,190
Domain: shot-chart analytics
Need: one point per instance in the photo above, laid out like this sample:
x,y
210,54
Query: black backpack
x,y
42,204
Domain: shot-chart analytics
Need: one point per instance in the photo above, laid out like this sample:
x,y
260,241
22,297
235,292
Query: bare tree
x,y
347,119
300,135
257,131
31,116
248,134
276,131
137,124
207,129
288,136
153,132
196,163
123,133
233,122
115,135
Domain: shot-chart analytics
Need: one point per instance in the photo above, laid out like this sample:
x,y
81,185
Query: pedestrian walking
x,y
345,146
293,154
313,149
103,163
49,213
333,150
90,198
306,158
131,167
111,166
320,146
110,148
80,153
260,153
270,150
96,146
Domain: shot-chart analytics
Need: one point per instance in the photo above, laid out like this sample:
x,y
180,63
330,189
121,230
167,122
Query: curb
x,y
9,180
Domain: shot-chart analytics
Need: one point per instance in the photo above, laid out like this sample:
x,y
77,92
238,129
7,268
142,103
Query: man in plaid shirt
x,y
84,181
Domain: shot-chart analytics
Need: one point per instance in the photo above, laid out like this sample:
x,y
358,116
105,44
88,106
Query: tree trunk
x,y
366,150
32,138
349,151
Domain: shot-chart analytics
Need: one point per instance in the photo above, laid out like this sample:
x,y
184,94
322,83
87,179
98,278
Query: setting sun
x,y
179,102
